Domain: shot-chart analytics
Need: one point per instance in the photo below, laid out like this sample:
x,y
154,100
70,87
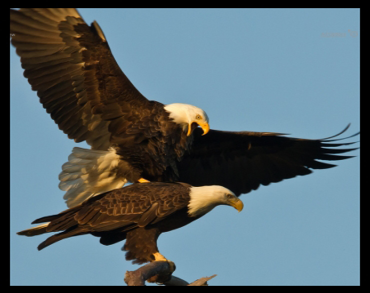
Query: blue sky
x,y
294,71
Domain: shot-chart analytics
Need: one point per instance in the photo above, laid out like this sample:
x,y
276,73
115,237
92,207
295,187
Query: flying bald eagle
x,y
71,67
86,93
138,213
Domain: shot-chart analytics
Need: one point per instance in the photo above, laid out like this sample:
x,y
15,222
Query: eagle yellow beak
x,y
205,127
237,204
193,125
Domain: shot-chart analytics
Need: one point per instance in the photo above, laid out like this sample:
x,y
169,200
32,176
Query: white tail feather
x,y
88,173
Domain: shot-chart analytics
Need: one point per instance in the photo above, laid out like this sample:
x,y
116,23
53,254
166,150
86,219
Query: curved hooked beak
x,y
193,125
205,128
237,204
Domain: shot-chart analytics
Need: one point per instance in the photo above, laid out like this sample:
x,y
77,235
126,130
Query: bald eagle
x,y
138,213
86,93
80,85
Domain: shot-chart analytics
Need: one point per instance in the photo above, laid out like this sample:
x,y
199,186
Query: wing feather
x,y
132,206
242,161
76,77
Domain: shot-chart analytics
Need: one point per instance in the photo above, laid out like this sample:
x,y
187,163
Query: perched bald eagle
x,y
138,213
71,67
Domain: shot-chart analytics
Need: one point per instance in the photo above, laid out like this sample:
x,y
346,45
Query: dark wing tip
x,y
328,139
330,151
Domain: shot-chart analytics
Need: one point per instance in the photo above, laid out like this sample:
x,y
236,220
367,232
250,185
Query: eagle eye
x,y
198,117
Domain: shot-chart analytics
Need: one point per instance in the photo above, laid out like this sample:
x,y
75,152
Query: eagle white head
x,y
188,117
204,198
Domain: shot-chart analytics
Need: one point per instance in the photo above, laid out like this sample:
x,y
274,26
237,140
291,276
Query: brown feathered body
x,y
138,213
150,147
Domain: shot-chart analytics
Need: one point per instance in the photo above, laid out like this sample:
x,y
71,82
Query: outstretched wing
x,y
71,67
242,161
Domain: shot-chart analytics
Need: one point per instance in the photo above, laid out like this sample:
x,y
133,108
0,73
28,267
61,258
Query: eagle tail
x,y
88,173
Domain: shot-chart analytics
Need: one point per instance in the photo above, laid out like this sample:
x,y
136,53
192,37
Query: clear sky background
x,y
294,71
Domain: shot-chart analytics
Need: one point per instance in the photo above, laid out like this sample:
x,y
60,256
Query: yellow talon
x,y
164,277
159,257
142,180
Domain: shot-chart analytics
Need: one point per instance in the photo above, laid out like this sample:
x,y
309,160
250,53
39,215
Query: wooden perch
x,y
202,281
160,272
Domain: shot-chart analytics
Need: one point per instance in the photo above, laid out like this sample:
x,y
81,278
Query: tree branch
x,y
156,271
160,272
202,281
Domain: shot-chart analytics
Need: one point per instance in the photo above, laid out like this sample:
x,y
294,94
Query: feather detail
x,y
88,173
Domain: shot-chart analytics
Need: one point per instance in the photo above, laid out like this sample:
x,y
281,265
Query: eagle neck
x,y
179,115
202,201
